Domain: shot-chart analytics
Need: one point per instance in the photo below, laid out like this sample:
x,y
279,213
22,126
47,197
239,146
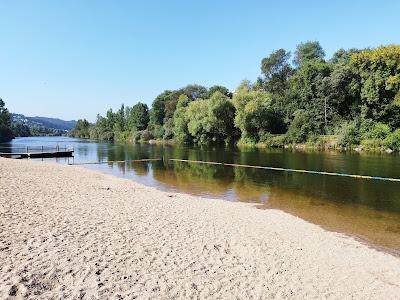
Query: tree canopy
x,y
6,133
290,102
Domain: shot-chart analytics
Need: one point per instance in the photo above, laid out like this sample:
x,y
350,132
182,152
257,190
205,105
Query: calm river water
x,y
367,209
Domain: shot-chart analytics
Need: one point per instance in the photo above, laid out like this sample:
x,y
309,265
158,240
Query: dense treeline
x,y
6,133
351,99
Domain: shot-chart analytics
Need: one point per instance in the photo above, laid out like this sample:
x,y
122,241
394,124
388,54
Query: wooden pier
x,y
37,152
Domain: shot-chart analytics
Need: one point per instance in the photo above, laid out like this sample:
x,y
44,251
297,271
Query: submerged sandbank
x,y
69,232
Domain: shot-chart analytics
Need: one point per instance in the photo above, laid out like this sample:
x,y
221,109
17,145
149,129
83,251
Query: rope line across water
x,y
116,161
289,170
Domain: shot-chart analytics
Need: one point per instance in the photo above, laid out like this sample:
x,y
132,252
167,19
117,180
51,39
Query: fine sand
x,y
69,232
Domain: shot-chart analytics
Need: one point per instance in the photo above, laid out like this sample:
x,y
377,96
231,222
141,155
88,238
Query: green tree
x,y
307,92
378,71
157,113
81,129
180,120
194,91
255,114
276,70
138,117
308,51
20,129
343,56
302,126
211,120
6,133
218,88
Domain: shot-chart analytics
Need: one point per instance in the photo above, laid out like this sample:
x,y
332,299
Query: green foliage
x,y
142,136
255,114
348,134
343,56
156,130
218,88
6,133
137,117
157,113
81,129
354,95
392,141
180,120
307,91
276,70
308,51
379,83
301,127
20,129
210,120
273,140
370,129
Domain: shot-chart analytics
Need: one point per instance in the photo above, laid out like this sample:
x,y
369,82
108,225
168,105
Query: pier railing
x,y
34,149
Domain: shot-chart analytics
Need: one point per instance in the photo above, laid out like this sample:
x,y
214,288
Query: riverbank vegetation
x,y
6,133
349,100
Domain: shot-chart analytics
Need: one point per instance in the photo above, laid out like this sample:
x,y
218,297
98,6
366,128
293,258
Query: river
x,y
366,209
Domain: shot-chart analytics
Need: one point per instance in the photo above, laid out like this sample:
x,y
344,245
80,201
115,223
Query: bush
x,y
246,142
142,136
373,130
265,137
301,127
278,141
348,134
392,141
157,131
146,135
371,143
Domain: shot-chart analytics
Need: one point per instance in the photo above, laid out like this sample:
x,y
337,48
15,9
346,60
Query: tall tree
x,y
255,114
211,120
5,123
180,120
138,117
219,88
308,51
276,70
81,129
378,71
307,91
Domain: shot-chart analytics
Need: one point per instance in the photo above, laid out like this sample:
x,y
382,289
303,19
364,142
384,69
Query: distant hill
x,y
51,123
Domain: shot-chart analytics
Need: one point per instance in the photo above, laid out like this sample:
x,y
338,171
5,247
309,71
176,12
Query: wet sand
x,y
69,232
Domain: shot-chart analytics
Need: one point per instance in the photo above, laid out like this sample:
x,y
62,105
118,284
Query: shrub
x,y
272,140
246,142
265,137
157,131
371,143
348,134
392,141
277,141
373,130
301,127
146,135
142,136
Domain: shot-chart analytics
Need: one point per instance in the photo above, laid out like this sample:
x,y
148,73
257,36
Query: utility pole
x,y
325,113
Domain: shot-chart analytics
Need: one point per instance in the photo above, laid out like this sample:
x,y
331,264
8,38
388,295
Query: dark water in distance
x,y
369,209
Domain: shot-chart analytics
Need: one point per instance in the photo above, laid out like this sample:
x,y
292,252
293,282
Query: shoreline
x,y
301,147
61,225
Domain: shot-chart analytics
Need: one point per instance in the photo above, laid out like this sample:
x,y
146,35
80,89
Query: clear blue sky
x,y
74,59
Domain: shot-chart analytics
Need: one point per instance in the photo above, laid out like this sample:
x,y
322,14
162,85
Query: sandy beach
x,y
71,233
